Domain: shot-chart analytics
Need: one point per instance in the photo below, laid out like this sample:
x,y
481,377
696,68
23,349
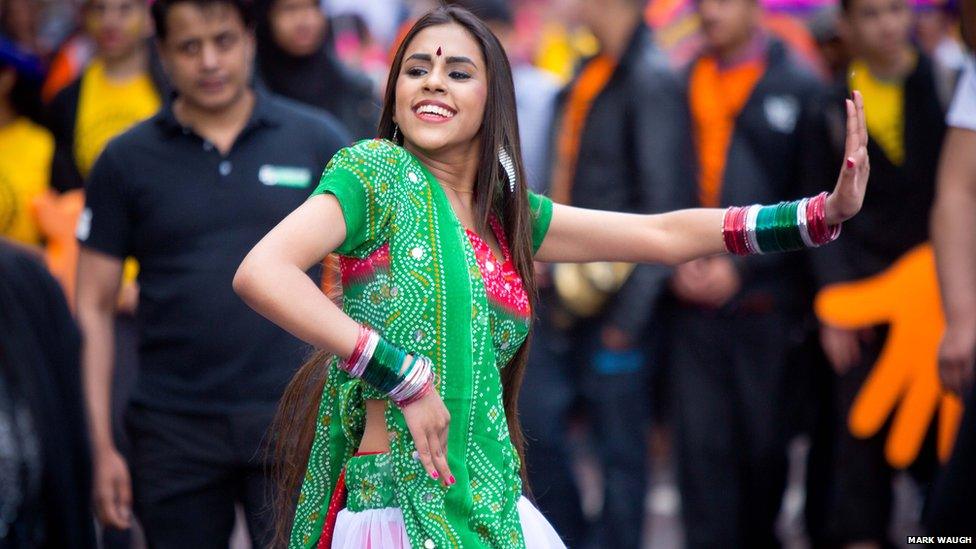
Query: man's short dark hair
x,y
160,10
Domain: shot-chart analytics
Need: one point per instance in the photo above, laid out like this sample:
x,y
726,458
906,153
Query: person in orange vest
x,y
619,143
849,498
735,324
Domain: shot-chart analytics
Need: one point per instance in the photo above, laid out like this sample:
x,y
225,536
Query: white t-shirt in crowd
x,y
962,113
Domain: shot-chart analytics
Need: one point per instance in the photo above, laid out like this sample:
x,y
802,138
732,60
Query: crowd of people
x,y
146,148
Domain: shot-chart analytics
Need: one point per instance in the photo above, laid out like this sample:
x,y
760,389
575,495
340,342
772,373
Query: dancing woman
x,y
407,435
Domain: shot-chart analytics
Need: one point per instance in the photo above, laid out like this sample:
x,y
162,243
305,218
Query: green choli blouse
x,y
412,274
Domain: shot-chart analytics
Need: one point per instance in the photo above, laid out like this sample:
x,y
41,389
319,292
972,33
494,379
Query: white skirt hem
x,y
384,529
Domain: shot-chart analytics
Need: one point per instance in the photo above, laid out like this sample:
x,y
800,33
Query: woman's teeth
x,y
435,110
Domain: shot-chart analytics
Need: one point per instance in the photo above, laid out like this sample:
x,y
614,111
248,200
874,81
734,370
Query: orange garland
x,y
591,81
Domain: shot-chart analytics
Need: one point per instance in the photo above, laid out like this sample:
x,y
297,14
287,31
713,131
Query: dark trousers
x,y
849,480
189,471
730,392
951,508
564,367
849,490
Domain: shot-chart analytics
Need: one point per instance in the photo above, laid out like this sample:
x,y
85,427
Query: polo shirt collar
x,y
262,115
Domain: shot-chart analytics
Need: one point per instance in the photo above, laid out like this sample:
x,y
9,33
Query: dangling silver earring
x,y
506,161
396,132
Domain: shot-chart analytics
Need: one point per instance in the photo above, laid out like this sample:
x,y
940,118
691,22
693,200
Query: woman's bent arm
x,y
272,279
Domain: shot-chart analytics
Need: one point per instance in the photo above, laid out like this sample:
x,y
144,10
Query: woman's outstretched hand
x,y
848,195
428,421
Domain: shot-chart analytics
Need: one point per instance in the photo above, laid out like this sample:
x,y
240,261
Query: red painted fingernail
x,y
850,163
450,480
435,475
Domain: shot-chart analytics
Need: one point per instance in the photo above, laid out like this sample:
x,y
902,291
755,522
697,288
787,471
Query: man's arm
x,y
99,277
103,232
954,240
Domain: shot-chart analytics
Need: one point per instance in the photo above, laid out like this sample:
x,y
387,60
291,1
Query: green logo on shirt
x,y
285,176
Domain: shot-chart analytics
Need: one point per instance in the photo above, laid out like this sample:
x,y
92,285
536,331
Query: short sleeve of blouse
x,y
541,207
361,178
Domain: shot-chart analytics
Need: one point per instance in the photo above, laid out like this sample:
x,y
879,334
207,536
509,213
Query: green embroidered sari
x,y
413,251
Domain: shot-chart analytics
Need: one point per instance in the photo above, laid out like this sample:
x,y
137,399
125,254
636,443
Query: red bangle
x,y
820,232
360,345
733,230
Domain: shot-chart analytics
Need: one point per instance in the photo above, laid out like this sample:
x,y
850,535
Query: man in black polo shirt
x,y
188,193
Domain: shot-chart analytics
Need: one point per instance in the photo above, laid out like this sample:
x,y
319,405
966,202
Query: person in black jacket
x,y
850,493
620,143
45,464
295,60
735,322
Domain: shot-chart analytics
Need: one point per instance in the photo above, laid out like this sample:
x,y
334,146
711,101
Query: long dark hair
x,y
294,426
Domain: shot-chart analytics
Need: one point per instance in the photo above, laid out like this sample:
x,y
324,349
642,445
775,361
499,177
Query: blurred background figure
x,y
619,143
19,22
736,323
382,17
357,47
295,60
850,490
26,148
45,466
823,28
120,86
936,31
535,89
951,509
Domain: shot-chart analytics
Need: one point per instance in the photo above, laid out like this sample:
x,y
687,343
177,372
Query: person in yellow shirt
x,y
25,147
122,85
849,498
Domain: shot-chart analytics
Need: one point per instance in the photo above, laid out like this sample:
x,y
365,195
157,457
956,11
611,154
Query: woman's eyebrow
x,y
450,60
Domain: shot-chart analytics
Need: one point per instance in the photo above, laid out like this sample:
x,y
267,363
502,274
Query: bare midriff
x,y
375,437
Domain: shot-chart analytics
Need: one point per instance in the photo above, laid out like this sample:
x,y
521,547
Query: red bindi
x,y
438,51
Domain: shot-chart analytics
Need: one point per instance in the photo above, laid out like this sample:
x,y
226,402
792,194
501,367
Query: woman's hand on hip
x,y
429,421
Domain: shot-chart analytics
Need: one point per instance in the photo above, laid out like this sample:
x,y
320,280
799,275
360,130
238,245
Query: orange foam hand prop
x,y
906,375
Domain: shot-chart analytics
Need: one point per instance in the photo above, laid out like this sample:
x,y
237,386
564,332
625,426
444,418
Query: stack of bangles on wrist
x,y
784,227
381,364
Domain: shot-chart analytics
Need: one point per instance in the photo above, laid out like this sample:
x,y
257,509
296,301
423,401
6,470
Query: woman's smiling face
x,y
441,89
